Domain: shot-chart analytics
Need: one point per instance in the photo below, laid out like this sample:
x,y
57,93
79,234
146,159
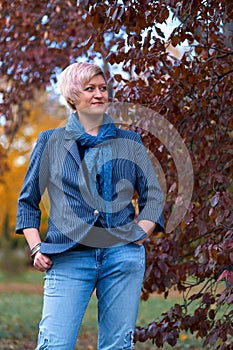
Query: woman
x,y
90,169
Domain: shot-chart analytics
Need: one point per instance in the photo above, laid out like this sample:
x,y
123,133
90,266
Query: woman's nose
x,y
98,93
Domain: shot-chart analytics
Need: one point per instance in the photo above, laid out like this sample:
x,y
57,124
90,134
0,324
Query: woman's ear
x,y
71,104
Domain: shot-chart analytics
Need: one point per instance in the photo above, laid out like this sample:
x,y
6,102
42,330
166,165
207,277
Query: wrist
x,y
35,250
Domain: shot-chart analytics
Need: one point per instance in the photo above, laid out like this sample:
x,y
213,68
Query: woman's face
x,y
93,97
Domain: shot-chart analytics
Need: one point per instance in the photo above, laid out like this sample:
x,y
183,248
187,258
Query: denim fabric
x,y
116,273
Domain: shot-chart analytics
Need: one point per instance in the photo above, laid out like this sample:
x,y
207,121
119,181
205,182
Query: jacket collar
x,y
71,146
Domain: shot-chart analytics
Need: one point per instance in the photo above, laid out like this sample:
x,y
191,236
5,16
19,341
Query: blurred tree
x,y
193,92
6,227
45,112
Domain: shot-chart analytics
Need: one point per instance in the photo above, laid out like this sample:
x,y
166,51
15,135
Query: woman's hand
x,y
147,226
42,262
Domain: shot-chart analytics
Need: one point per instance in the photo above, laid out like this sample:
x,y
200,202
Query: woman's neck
x,y
91,124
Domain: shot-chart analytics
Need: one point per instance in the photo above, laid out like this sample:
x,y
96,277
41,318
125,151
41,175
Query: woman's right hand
x,y
42,262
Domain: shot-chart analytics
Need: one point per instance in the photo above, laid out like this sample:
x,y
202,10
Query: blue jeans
x,y
117,275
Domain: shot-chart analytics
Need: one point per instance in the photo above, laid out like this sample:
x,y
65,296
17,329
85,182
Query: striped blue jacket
x,y
55,169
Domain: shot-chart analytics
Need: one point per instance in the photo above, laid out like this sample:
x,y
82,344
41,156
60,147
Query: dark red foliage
x,y
193,92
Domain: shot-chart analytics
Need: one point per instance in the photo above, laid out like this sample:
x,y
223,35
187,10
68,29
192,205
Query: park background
x,y
174,58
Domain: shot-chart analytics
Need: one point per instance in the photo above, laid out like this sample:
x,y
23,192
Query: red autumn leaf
x,y
175,40
226,275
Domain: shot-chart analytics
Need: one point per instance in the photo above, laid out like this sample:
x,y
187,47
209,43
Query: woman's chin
x,y
95,110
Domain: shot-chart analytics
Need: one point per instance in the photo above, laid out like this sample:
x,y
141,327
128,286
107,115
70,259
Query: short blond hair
x,y
73,79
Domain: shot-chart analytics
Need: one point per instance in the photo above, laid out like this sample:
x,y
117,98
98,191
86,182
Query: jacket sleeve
x,y
150,195
29,213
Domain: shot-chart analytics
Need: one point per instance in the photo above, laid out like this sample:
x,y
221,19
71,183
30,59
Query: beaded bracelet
x,y
34,250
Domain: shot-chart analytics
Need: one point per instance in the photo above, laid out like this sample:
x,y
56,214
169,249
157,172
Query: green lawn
x,y
20,312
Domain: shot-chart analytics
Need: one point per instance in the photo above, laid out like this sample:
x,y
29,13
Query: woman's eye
x,y
103,88
89,88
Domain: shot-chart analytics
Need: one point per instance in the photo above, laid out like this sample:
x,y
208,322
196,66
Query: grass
x,y
20,311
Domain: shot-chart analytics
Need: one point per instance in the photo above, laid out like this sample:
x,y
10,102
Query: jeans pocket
x,y
142,255
50,281
136,254
138,244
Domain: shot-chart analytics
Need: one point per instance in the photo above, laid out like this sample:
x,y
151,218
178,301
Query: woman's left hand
x,y
42,262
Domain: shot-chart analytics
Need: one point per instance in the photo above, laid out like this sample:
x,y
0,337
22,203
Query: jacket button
x,y
96,212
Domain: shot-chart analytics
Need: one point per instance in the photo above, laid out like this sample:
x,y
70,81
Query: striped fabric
x,y
75,217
